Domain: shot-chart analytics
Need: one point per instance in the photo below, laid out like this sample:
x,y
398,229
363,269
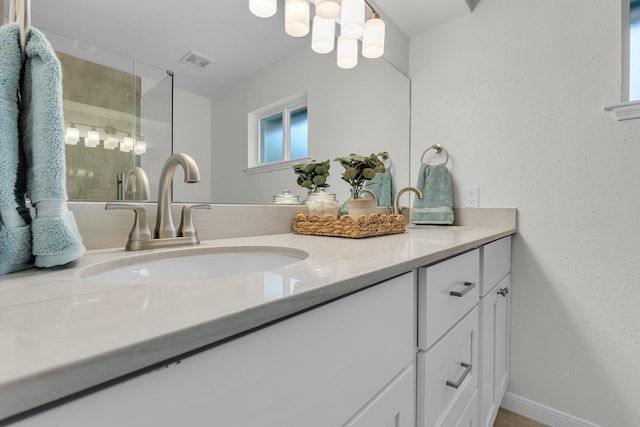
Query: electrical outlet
x,y
471,197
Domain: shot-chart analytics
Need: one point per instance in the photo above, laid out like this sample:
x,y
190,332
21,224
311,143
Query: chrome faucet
x,y
396,200
164,221
165,234
137,183
373,195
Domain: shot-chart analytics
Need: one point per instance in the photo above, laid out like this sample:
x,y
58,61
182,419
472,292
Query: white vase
x,y
357,207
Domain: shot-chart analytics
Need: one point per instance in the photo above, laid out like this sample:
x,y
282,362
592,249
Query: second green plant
x,y
359,169
312,175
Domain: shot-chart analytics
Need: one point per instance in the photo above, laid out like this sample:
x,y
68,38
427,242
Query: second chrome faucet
x,y
165,232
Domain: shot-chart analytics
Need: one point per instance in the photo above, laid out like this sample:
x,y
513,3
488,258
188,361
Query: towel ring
x,y
437,148
386,158
20,12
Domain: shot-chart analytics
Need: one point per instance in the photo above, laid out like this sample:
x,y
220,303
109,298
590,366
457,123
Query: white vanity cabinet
x,y
428,348
494,327
447,371
347,363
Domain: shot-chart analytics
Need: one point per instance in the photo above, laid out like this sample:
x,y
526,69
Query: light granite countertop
x,y
61,334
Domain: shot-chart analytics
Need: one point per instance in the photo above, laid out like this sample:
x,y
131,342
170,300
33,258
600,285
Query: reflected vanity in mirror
x,y
361,110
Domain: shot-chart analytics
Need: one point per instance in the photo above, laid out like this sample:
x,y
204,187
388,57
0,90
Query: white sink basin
x,y
192,264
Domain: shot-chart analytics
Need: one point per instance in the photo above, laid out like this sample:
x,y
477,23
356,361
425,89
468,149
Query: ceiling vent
x,y
196,60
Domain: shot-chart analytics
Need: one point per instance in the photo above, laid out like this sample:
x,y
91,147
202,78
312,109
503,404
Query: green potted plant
x,y
358,170
312,175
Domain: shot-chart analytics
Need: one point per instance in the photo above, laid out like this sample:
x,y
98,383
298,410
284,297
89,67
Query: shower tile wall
x,y
103,97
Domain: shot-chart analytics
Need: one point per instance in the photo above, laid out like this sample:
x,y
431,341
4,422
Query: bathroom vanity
x,y
400,330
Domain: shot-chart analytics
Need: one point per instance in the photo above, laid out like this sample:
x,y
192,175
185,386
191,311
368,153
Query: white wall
x,y
515,91
192,135
362,110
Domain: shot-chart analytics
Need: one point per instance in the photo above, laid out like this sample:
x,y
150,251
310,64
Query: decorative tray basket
x,y
347,226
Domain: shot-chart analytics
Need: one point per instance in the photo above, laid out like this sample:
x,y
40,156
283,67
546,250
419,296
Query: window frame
x,y
625,110
285,107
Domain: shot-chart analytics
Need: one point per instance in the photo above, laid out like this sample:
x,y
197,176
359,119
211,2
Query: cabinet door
x,y
315,369
393,407
494,348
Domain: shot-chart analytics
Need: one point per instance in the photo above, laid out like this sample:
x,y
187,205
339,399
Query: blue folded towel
x,y
15,233
55,236
436,207
382,185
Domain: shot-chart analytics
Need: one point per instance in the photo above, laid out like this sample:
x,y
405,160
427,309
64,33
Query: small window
x,y
278,135
629,107
634,50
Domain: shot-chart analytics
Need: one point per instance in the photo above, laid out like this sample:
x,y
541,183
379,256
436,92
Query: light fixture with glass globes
x,y
93,138
72,135
127,144
350,14
263,8
110,142
141,147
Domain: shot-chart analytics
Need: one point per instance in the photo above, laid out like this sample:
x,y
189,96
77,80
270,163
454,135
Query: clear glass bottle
x,y
322,203
286,198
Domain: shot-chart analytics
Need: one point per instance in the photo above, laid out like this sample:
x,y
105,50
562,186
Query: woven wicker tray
x,y
347,226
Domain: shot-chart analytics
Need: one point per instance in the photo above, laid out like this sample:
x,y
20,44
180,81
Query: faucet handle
x,y
187,229
140,230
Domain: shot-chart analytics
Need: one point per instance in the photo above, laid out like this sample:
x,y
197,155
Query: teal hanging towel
x,y
15,232
436,207
55,237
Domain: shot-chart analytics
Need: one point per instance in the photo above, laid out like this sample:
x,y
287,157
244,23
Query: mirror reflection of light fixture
x,y
263,8
127,144
347,52
93,138
373,37
323,34
296,17
352,18
349,13
141,147
72,135
328,9
111,141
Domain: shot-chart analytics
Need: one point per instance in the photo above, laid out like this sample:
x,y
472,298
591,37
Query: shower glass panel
x,y
118,115
155,117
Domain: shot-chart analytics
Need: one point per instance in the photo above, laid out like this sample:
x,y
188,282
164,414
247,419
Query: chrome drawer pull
x,y
503,292
467,287
457,384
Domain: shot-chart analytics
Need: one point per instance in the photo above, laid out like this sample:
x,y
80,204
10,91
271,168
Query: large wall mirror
x,y
205,112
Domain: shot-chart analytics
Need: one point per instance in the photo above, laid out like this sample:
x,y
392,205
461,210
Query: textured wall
x,y
515,91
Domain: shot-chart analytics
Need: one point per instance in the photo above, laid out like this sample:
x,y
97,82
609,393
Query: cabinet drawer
x,y
441,368
438,308
495,263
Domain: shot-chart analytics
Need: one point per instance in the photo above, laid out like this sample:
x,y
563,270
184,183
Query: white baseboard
x,y
542,413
